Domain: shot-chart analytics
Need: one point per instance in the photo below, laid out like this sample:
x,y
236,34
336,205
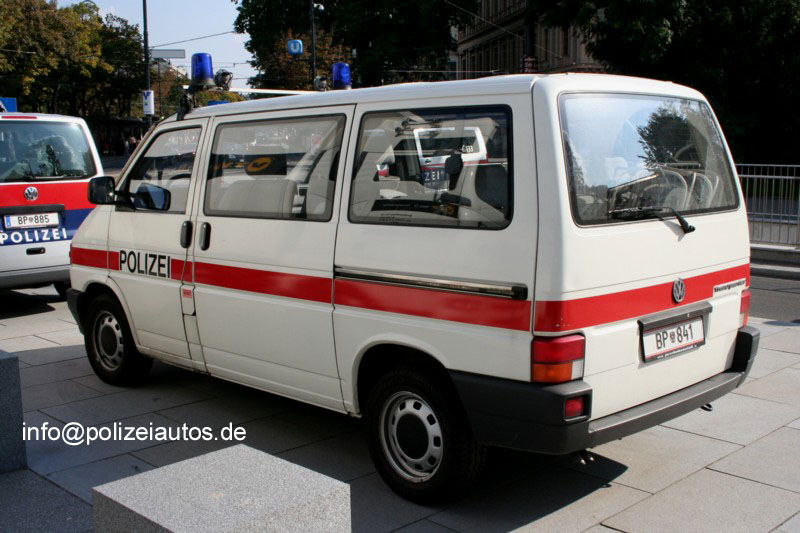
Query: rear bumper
x,y
32,277
530,417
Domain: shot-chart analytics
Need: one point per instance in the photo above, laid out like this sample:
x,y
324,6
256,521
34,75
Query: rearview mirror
x,y
101,190
153,197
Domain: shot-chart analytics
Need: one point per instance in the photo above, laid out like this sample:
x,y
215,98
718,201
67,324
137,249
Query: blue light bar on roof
x,y
341,75
202,70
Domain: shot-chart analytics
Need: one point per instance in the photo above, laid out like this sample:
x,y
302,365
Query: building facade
x,y
498,42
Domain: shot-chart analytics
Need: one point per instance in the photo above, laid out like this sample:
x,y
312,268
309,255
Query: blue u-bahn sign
x,y
295,47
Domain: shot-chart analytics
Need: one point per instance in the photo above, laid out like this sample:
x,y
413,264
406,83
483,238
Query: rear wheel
x,y
109,344
419,437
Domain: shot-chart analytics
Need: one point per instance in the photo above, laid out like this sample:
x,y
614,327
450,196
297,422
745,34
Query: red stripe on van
x,y
113,260
88,257
311,288
181,270
443,305
585,312
73,195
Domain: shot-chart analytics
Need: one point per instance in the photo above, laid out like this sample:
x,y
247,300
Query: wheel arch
x,y
95,289
381,358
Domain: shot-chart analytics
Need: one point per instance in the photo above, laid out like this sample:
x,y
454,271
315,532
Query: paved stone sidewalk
x,y
735,469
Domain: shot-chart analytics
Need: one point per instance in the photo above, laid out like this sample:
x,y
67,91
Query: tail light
x,y
557,359
574,407
744,308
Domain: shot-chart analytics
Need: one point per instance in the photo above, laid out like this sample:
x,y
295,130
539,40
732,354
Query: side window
x,y
165,166
434,167
284,168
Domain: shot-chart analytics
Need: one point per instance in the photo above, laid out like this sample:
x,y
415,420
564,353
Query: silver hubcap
x,y
108,341
411,436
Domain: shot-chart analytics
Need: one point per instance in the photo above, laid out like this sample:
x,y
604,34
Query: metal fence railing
x,y
772,195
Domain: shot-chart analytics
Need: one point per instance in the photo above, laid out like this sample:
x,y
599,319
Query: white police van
x,y
589,279
46,162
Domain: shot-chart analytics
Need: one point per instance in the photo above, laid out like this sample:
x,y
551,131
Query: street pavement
x,y
734,469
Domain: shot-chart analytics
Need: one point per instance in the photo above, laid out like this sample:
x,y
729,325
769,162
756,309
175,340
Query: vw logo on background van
x,y
31,194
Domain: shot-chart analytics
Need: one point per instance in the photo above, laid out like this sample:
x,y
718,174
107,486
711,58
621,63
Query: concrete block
x,y
235,489
12,447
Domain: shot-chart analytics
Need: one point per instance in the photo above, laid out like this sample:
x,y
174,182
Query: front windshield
x,y
34,150
629,153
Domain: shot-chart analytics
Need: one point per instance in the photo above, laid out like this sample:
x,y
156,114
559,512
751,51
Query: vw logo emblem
x,y
678,291
31,194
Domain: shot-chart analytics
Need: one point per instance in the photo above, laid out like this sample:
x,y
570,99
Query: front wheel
x,y
109,344
419,437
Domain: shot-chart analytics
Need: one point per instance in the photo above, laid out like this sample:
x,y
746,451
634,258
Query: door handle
x,y
205,235
186,234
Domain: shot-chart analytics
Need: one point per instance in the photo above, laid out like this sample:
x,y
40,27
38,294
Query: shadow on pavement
x,y
14,304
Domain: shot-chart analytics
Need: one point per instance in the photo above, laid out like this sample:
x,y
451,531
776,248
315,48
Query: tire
x,y
109,344
420,439
61,288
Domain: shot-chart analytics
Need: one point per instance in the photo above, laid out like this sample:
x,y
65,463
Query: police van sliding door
x,y
263,251
147,259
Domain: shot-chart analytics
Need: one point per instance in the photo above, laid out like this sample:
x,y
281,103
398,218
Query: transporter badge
x,y
31,194
678,291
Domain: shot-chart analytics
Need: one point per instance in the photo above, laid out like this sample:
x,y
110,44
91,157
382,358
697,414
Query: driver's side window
x,y
166,165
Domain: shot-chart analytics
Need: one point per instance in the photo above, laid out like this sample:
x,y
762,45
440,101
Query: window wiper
x,y
634,213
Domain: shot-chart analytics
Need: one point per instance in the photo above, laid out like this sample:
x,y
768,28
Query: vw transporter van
x,y
46,162
587,279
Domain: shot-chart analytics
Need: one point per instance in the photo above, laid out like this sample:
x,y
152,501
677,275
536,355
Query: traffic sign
x,y
148,104
295,47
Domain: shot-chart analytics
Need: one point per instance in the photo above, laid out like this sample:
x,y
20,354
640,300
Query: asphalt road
x,y
775,299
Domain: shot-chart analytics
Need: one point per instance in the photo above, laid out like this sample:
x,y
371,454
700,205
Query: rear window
x,y
33,150
628,154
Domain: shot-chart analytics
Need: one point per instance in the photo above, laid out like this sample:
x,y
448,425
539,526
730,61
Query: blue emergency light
x,y
341,75
202,70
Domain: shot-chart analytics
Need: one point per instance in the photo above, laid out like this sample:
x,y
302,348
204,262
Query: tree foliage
x,y
278,70
69,60
742,54
395,40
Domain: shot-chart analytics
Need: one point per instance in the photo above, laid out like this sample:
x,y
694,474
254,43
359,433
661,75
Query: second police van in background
x,y
585,279
46,162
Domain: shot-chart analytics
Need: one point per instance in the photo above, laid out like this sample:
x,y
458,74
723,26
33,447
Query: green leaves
x,y
742,54
395,40
68,60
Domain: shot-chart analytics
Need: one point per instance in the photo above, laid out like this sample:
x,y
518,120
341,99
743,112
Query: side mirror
x,y
101,190
151,197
